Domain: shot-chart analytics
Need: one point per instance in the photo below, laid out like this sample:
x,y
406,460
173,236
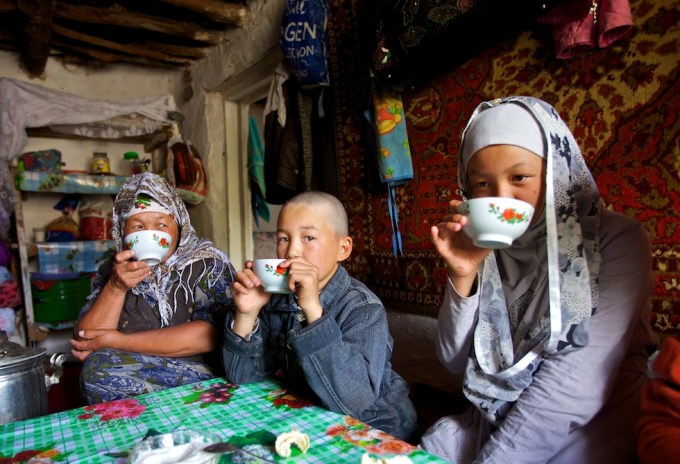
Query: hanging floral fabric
x,y
392,149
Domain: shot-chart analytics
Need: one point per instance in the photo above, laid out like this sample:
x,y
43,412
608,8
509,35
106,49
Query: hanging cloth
x,y
283,165
24,105
186,172
386,114
258,189
581,25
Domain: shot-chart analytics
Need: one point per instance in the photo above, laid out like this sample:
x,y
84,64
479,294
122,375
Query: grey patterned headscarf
x,y
158,287
548,290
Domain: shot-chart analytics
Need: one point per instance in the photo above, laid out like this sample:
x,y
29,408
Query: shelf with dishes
x,y
54,295
59,289
58,261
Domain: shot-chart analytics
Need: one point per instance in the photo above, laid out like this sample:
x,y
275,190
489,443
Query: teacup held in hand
x,y
149,245
495,222
274,278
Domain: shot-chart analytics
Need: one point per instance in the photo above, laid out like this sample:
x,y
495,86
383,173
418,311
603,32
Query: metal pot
x,y
23,382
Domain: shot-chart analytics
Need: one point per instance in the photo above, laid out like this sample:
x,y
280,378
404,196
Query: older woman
x,y
145,328
552,334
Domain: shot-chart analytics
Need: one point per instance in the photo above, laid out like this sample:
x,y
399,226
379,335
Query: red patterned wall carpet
x,y
622,103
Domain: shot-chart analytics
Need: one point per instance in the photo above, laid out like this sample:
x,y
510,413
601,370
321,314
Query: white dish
x,y
180,446
274,278
149,245
495,222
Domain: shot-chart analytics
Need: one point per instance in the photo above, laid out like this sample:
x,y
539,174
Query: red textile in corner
x,y
659,429
9,294
581,25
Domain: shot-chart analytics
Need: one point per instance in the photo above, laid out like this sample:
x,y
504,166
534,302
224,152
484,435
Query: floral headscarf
x,y
158,286
549,288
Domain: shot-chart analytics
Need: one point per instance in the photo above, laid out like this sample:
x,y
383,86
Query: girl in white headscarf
x,y
552,334
146,328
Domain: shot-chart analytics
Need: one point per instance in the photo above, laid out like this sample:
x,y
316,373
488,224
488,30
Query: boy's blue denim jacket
x,y
344,357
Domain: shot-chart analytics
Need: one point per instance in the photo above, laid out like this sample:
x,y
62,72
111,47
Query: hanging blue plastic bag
x,y
303,41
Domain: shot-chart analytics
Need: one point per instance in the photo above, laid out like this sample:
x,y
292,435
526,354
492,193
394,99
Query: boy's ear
x,y
344,248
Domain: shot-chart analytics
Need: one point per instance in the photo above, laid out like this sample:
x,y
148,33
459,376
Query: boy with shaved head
x,y
330,335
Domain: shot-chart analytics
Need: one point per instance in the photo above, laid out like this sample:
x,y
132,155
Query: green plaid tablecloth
x,y
247,415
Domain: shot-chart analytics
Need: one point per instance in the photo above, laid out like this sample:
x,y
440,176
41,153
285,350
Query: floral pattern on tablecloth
x,y
281,398
42,456
248,416
119,409
352,433
216,393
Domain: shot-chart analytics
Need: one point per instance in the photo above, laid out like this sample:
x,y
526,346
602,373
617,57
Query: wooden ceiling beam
x,y
8,6
227,13
110,57
37,30
177,50
116,17
87,31
130,49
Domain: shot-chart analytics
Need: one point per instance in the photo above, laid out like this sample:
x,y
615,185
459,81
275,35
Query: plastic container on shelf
x,y
96,217
133,165
59,300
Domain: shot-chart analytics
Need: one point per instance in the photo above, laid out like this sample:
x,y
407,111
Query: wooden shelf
x,y
31,249
59,182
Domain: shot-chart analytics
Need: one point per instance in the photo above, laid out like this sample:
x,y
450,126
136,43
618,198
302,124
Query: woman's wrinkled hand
x,y
126,272
88,341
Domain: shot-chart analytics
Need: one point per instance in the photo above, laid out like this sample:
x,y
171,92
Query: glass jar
x,y
100,163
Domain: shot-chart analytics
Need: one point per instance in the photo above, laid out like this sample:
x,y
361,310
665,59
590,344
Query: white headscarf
x,y
502,125
158,287
537,295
